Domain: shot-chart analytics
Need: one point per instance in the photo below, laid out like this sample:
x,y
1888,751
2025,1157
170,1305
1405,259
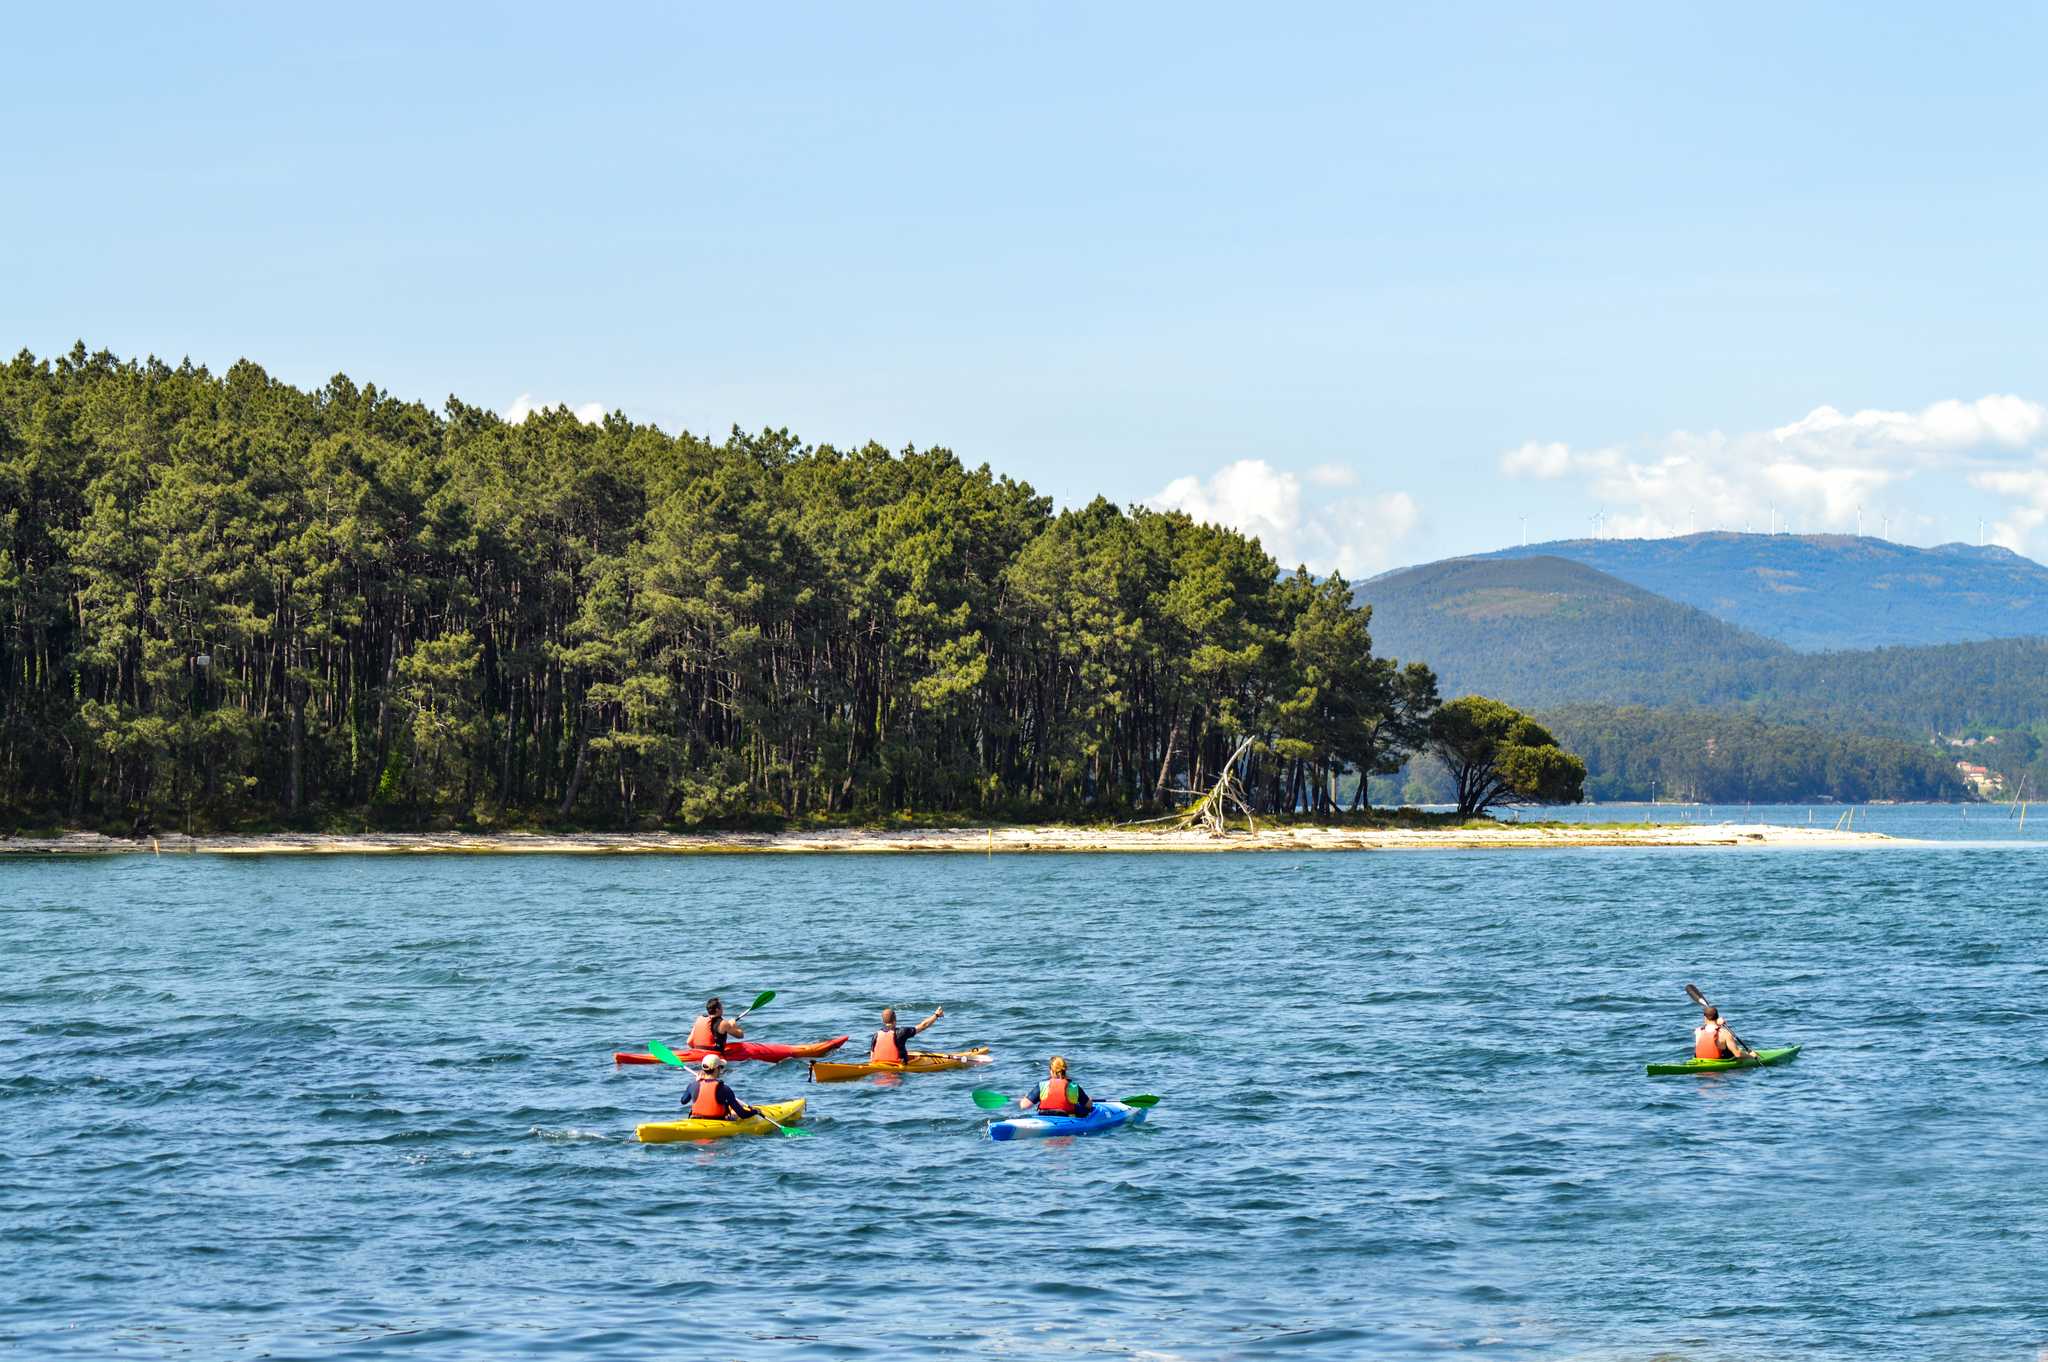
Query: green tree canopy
x,y
432,616
1498,755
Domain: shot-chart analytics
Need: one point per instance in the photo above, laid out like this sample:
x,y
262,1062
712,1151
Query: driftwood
x,y
1212,810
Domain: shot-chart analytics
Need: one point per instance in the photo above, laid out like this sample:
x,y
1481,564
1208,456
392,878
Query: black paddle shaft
x,y
1692,991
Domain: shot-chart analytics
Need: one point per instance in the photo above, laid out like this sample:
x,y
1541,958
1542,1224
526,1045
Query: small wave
x,y
571,1135
439,943
80,1028
472,1061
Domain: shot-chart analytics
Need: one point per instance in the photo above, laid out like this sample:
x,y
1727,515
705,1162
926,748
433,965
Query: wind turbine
x,y
1525,532
1859,520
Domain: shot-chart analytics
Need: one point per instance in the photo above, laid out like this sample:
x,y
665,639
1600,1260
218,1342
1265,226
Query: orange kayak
x,y
736,1050
918,1062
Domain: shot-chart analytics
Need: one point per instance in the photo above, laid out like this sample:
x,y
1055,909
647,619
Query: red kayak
x,y
736,1050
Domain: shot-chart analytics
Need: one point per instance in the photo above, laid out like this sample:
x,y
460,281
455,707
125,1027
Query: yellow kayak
x,y
673,1132
918,1062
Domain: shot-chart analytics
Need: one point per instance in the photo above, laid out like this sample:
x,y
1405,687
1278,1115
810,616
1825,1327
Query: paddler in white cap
x,y
709,1099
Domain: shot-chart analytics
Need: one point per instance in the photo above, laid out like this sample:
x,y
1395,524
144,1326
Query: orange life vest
x,y
1056,1097
886,1049
1706,1042
704,1035
707,1107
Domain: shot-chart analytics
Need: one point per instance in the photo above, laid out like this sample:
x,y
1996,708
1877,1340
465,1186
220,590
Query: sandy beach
x,y
982,839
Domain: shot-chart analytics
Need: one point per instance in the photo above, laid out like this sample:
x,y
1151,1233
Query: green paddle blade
x,y
1143,1099
666,1055
762,1001
988,1099
788,1132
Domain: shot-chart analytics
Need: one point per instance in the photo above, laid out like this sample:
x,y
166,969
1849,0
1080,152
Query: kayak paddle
x,y
668,1056
988,1099
788,1132
1692,991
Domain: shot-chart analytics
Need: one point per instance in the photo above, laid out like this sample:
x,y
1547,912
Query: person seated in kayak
x,y
1058,1095
707,1098
712,1030
1713,1039
892,1043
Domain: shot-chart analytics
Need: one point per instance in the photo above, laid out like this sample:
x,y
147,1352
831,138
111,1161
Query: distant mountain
x,y
1542,631
1826,591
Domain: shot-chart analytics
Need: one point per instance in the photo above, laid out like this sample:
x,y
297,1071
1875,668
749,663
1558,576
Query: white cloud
x,y
523,406
2028,487
1534,460
2003,421
1353,534
1815,472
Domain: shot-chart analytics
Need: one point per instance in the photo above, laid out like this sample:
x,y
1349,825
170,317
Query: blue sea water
x,y
349,1107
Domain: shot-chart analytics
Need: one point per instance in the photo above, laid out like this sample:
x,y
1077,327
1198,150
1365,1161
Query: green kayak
x,y
1714,1066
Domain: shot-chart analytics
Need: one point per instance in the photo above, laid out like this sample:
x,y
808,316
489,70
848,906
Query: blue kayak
x,y
1105,1116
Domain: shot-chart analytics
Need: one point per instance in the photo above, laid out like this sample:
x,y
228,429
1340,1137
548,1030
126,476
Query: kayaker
x,y
1713,1040
712,1030
1058,1095
892,1043
707,1098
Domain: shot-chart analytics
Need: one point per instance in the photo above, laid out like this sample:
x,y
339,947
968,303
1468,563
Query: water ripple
x,y
344,1108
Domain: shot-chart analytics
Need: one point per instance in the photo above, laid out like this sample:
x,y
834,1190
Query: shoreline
x,y
987,840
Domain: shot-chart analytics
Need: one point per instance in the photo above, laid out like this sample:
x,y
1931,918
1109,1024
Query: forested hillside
x,y
223,598
1919,692
1632,752
1543,633
1829,591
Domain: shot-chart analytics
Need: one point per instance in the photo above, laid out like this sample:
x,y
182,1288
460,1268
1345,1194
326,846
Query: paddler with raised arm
x,y
1059,1095
891,1044
713,1029
1712,1039
707,1098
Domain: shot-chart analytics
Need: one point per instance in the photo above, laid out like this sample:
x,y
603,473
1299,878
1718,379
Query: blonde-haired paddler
x,y
1059,1095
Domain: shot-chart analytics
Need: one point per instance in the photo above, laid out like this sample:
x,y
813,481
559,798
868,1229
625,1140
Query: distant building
x,y
1984,782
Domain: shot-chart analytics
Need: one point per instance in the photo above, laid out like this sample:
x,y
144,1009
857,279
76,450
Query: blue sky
x,y
1373,285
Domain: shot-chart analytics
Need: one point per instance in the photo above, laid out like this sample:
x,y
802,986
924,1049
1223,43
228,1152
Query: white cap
x,y
712,1064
